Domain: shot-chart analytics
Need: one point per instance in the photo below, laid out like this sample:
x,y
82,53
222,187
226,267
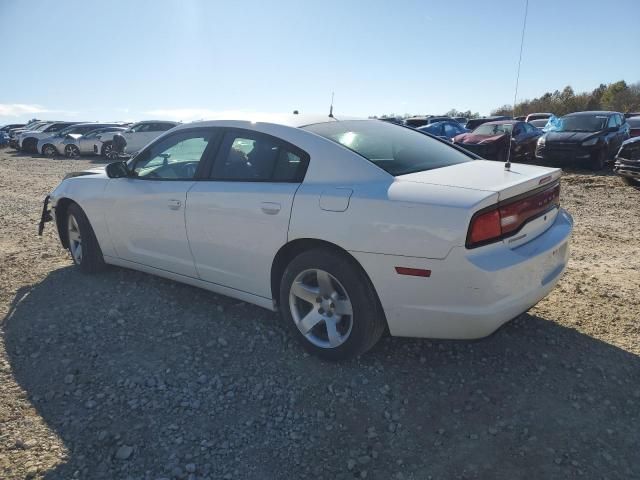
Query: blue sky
x,y
188,59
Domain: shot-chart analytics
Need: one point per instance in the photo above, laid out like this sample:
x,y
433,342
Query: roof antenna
x,y
507,164
331,107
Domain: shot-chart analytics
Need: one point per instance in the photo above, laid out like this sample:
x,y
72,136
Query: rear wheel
x,y
49,151
330,305
82,243
598,159
71,151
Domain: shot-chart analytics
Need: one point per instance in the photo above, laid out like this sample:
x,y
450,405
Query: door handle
x,y
174,204
270,208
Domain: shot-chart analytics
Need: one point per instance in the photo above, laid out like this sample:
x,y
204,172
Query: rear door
x,y
147,212
239,218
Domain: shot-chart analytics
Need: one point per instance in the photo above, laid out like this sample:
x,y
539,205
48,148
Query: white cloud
x,y
191,114
18,109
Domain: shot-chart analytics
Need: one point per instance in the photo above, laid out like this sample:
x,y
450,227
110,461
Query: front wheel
x,y
82,243
330,305
106,149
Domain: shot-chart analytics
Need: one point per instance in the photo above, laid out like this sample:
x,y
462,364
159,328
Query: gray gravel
x,y
124,375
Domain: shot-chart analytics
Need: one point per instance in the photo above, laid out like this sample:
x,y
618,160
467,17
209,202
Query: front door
x,y
238,220
146,217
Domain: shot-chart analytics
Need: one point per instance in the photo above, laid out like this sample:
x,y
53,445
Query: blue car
x,y
444,130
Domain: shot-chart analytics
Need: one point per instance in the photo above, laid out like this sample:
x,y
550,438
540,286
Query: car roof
x,y
503,122
590,112
288,120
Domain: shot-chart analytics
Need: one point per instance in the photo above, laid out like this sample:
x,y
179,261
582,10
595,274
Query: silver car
x,y
75,145
54,144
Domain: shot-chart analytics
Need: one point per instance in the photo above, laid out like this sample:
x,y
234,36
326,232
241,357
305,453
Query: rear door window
x,y
254,157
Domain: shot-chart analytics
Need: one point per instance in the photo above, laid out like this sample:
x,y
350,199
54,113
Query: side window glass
x,y
248,159
289,167
137,128
618,121
175,157
612,121
163,127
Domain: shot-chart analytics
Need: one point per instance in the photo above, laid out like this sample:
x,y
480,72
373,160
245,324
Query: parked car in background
x,y
587,138
28,141
4,139
634,126
538,116
631,114
84,144
416,122
539,123
461,120
6,128
137,136
396,120
54,145
13,132
491,140
476,122
352,216
444,130
627,161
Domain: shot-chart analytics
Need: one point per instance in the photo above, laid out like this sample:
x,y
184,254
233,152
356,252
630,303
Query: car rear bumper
x,y
471,293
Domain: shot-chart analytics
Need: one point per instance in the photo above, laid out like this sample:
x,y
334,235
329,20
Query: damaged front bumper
x,y
45,216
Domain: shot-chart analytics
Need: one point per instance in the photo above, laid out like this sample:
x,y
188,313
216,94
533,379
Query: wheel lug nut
x,y
329,314
333,305
321,311
318,299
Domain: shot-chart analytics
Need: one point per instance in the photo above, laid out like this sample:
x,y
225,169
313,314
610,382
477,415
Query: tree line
x,y
617,96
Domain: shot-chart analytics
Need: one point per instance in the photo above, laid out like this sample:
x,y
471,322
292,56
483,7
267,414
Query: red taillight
x,y
485,226
505,219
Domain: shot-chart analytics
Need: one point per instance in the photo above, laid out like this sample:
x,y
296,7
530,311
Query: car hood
x,y
570,137
475,139
487,175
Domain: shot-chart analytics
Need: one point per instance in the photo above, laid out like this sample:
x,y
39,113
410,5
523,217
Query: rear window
x,y
397,150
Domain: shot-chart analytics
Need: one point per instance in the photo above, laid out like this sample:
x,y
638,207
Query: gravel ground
x,y
124,375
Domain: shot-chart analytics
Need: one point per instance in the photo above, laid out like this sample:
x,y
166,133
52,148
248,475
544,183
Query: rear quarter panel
x,y
392,217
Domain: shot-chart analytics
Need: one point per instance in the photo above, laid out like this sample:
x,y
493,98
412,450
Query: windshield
x,y
582,123
397,150
491,129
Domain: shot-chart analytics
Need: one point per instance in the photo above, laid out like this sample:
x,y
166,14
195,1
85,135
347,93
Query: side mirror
x,y
117,170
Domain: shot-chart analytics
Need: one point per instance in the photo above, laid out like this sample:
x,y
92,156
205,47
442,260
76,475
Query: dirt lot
x,y
123,375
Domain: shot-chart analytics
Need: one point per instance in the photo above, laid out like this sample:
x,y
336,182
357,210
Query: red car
x,y
634,125
490,140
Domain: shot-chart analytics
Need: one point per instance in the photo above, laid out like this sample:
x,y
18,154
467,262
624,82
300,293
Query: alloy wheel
x,y
321,308
71,151
49,151
75,239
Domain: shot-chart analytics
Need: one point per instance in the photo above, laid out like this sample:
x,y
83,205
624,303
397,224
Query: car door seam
x,y
186,229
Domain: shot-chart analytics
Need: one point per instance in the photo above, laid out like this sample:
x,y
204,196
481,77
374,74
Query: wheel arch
x,y
295,247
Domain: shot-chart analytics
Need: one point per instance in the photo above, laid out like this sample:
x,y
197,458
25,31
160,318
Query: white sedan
x,y
347,227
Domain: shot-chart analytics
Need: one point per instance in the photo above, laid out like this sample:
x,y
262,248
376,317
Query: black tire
x,y
367,320
91,260
30,145
598,160
49,151
106,148
71,151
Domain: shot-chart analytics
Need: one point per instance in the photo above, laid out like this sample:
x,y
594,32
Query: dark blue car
x,y
444,130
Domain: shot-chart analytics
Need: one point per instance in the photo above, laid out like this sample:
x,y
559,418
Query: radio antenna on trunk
x,y
507,164
331,107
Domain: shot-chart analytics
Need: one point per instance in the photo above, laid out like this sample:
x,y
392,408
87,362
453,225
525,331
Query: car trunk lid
x,y
488,175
